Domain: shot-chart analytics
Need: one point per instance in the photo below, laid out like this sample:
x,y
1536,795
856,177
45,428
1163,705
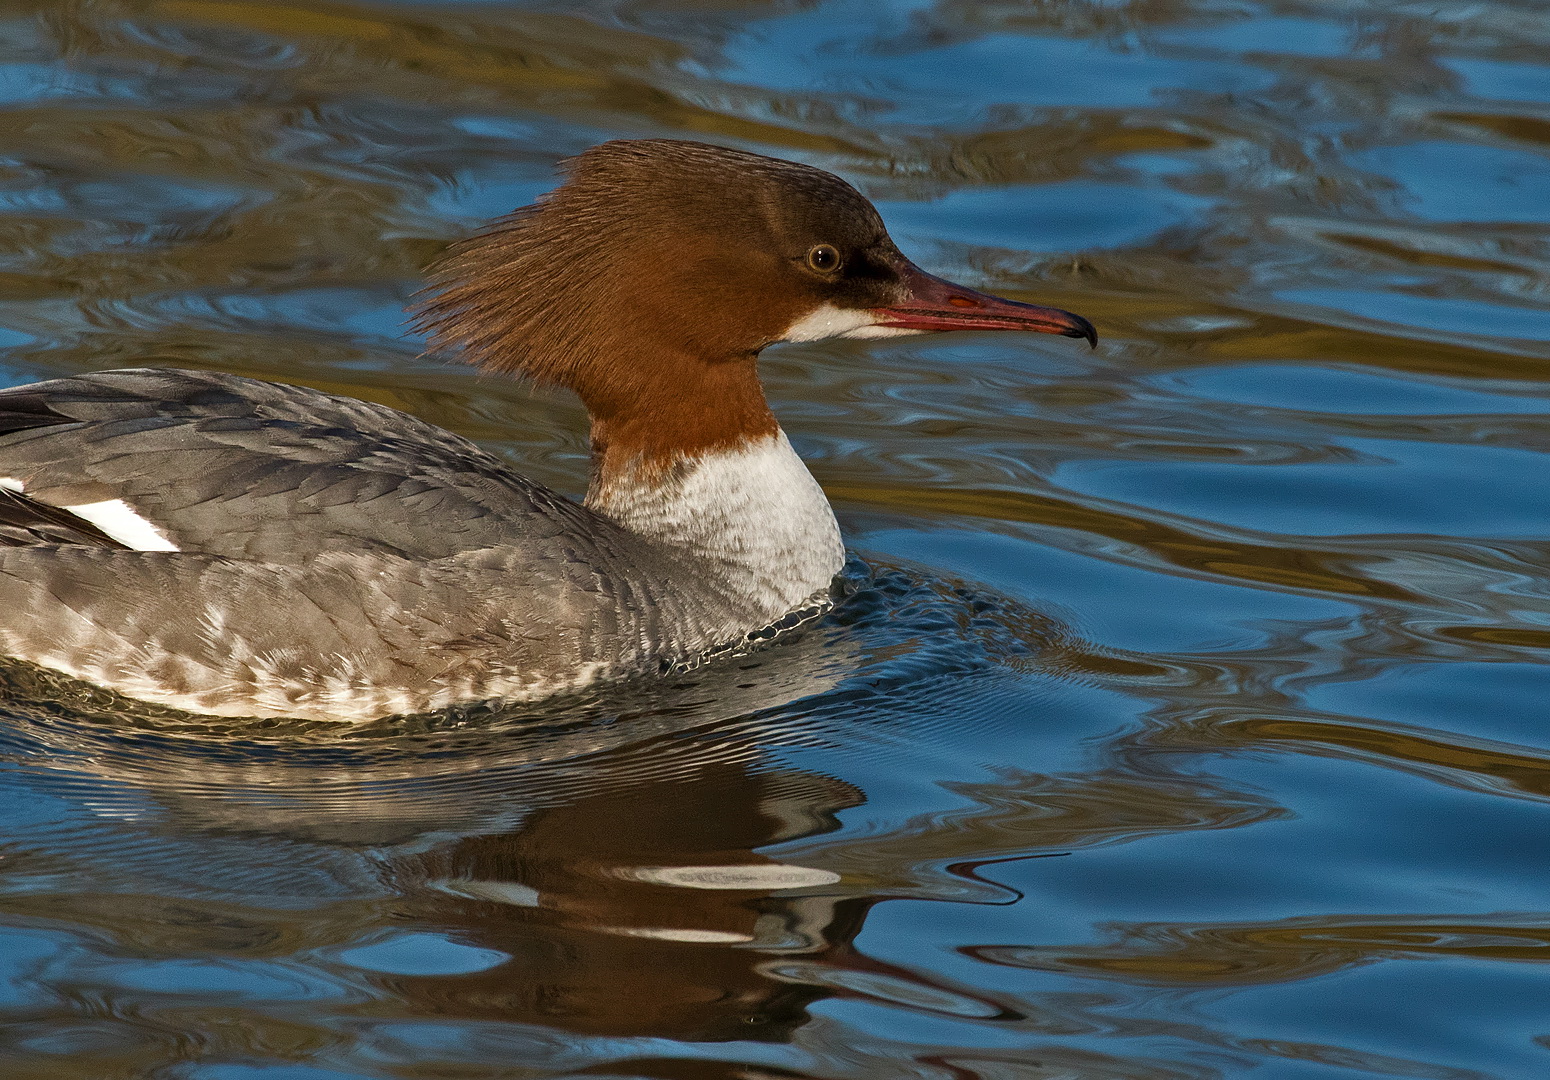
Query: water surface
x,y
1186,720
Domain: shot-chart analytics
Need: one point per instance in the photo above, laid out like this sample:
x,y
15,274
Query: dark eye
x,y
824,258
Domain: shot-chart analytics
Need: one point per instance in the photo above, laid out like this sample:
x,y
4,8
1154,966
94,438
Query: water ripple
x,y
1184,719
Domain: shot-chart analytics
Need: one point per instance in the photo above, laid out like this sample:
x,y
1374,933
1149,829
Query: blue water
x,y
1186,717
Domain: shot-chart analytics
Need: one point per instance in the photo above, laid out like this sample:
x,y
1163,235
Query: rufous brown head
x,y
649,282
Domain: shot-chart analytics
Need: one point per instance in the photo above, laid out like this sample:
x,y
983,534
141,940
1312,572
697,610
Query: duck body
x,y
284,552
233,547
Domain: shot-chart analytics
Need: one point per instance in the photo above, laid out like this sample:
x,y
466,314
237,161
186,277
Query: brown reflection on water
x,y
1321,571
1500,768
1045,814
633,912
629,902
1237,954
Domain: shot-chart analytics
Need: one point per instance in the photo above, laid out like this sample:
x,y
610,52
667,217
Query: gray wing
x,y
235,467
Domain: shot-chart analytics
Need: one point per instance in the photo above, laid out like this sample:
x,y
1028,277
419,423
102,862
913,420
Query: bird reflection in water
x,y
644,910
608,864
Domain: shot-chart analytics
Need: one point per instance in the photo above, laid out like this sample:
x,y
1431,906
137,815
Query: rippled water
x,y
1187,720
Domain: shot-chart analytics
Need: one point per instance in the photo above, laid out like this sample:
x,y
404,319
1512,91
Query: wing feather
x,y
231,466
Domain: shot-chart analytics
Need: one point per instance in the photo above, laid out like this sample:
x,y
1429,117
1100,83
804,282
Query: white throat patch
x,y
828,321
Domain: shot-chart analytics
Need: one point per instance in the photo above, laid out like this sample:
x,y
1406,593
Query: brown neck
x,y
687,413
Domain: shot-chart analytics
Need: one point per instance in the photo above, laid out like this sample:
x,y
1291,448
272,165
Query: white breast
x,y
756,512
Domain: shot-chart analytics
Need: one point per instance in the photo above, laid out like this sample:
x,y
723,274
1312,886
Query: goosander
x,y
238,548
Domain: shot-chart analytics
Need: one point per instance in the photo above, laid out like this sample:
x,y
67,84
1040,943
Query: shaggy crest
x,y
643,254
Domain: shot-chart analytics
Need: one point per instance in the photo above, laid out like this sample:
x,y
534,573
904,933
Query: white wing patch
x,y
12,484
119,520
